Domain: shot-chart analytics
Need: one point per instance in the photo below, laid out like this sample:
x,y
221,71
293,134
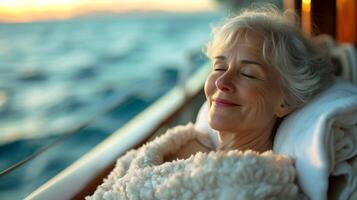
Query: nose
x,y
225,82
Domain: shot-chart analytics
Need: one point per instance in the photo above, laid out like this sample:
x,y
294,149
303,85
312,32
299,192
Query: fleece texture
x,y
143,174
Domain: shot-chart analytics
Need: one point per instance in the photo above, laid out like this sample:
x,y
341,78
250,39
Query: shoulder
x,y
189,140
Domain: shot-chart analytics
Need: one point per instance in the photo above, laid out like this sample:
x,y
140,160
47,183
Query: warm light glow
x,y
30,10
306,16
306,5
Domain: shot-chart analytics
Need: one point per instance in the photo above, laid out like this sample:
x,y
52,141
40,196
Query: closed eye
x,y
248,75
220,67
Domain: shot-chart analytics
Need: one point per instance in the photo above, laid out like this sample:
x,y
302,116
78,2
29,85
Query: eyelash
x,y
248,76
218,68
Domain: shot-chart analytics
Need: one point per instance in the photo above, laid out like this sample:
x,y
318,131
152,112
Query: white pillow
x,y
322,136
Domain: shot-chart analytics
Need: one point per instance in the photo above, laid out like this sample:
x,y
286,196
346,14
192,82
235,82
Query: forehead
x,y
245,45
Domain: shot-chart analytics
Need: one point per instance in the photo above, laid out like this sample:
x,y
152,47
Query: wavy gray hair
x,y
304,68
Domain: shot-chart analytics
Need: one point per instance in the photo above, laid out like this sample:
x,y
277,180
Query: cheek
x,y
250,93
258,97
210,86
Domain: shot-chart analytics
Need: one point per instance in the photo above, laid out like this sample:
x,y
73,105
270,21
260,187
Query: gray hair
x,y
304,69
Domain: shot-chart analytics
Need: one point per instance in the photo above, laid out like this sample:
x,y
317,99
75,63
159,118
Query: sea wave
x,y
56,77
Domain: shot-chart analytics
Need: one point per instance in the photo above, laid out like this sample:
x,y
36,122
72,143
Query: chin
x,y
220,125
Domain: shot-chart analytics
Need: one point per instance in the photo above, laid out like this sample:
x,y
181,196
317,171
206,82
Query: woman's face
x,y
243,93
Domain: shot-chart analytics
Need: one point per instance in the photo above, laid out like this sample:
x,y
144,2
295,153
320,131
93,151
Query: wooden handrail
x,y
81,177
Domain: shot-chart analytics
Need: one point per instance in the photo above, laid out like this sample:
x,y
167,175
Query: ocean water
x,y
91,72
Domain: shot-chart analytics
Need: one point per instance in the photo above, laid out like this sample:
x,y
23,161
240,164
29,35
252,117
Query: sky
x,y
32,10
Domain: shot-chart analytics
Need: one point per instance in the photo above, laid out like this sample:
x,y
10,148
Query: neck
x,y
260,141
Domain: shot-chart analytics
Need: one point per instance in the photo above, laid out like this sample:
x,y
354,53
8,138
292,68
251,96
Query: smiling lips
x,y
224,103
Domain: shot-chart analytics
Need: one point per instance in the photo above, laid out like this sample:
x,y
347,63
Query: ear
x,y
283,109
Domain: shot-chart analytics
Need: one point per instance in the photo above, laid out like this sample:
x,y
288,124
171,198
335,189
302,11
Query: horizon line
x,y
26,15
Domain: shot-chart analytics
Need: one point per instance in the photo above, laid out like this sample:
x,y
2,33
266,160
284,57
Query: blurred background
x,y
74,71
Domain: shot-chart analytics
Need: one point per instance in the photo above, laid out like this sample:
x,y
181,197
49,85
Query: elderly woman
x,y
262,69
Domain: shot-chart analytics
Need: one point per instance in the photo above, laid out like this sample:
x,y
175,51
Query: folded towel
x,y
322,137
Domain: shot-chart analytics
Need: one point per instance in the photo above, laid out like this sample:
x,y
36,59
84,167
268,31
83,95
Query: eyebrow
x,y
251,62
248,62
220,58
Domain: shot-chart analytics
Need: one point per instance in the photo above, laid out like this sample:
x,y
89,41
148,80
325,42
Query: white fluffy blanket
x,y
142,174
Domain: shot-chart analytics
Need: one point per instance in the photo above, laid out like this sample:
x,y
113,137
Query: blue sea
x,y
87,76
